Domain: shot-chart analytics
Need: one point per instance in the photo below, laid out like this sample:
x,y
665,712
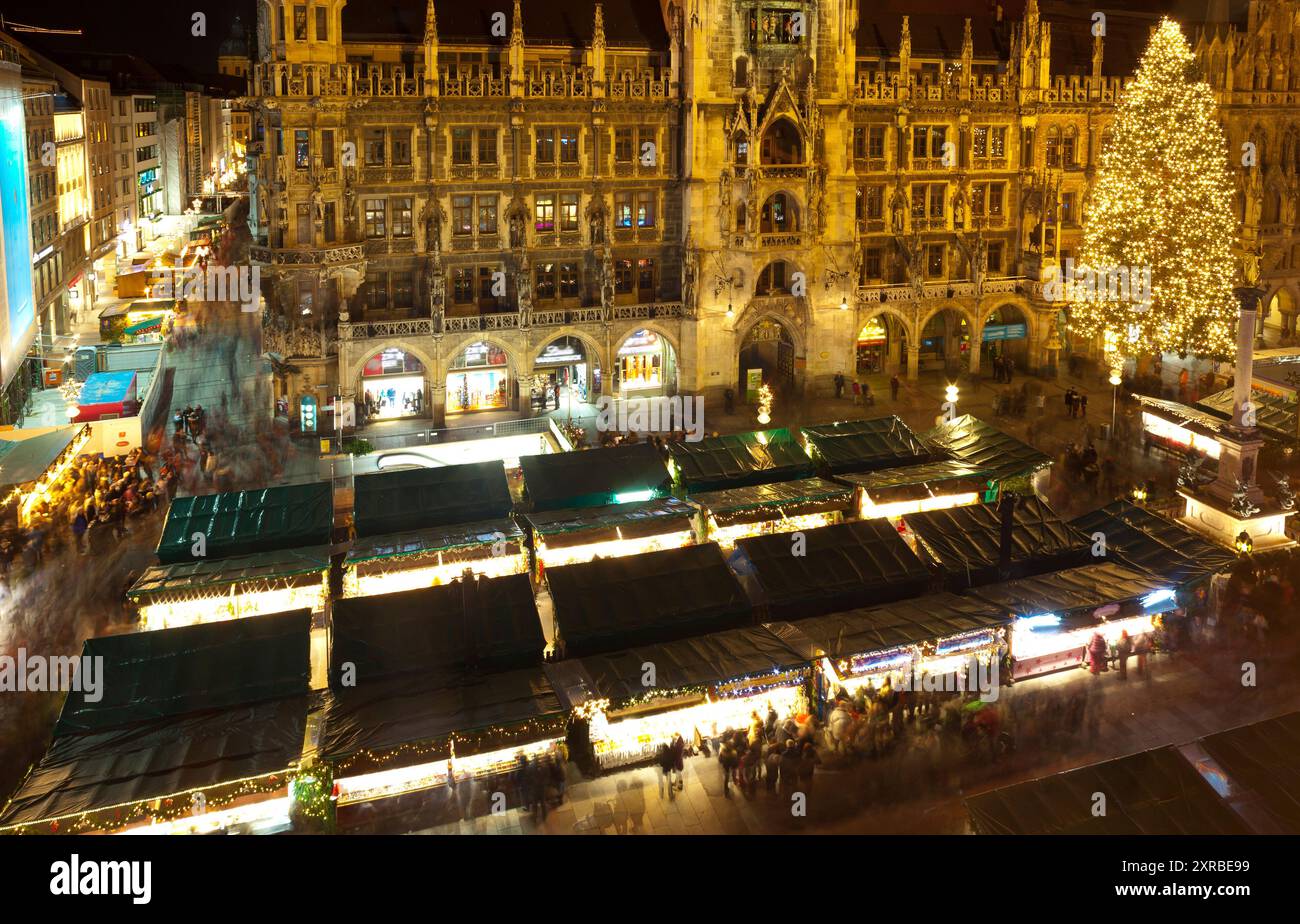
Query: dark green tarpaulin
x,y
594,477
914,475
903,622
168,672
409,499
1155,543
1272,411
964,543
659,596
772,501
740,459
402,548
700,661
488,623
843,566
1076,589
585,525
246,522
1262,765
866,445
209,577
481,712
970,440
146,760
1154,792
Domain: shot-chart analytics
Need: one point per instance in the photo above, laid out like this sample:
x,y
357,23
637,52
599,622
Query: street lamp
x,y
1115,380
951,393
1244,543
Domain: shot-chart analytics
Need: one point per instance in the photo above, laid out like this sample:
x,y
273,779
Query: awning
x,y
903,622
397,501
965,542
245,522
487,623
595,477
866,445
367,726
843,566
1155,543
205,578
1262,765
585,525
23,462
773,501
970,440
659,596
1154,792
155,675
740,459
404,549
115,767
697,662
1076,589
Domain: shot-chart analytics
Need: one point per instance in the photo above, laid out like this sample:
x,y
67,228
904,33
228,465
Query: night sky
x,y
158,31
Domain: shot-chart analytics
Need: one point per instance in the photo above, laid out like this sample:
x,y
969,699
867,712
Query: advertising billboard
x,y
15,227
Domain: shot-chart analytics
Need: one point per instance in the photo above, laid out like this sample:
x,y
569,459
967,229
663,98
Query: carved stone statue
x,y
607,282
432,217
317,200
898,208
690,274
349,201
724,198
517,220
437,278
524,287
596,219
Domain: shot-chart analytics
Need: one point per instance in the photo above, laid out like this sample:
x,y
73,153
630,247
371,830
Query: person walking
x,y
839,385
1142,648
1123,648
772,763
1082,401
893,387
664,759
727,760
678,769
857,392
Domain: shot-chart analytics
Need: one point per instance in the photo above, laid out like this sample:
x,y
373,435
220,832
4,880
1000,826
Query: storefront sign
x,y
1005,332
643,341
560,353
753,381
307,414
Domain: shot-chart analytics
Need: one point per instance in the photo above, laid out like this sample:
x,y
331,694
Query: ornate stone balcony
x,y
340,255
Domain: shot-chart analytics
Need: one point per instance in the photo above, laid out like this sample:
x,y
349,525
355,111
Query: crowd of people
x,y
97,501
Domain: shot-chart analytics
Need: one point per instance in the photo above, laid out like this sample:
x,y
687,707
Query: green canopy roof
x,y
628,521
594,477
1272,411
1000,455
911,475
419,543
866,445
740,459
25,461
246,522
408,499
208,576
767,501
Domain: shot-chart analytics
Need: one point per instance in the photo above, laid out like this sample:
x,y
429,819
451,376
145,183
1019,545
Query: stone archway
x,y
567,369
391,381
1277,324
883,334
1005,331
644,362
945,338
480,373
768,352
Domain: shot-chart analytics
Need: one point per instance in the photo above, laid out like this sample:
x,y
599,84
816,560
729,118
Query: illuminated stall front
x,y
567,537
31,467
1180,428
428,557
479,380
894,492
1057,614
912,643
726,517
186,593
455,687
203,727
738,460
706,684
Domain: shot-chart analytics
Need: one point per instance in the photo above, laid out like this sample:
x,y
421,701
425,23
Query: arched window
x,y
742,150
773,279
780,213
1053,147
781,144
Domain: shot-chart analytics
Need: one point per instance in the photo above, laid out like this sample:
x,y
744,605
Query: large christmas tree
x,y
1162,201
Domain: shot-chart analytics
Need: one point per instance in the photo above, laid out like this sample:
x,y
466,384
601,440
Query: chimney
x,y
1007,515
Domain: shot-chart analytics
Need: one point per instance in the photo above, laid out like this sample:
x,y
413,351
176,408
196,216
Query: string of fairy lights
x,y
1162,200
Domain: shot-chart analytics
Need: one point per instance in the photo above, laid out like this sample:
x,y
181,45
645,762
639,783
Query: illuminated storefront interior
x,y
646,364
564,363
393,386
480,380
873,342
1180,435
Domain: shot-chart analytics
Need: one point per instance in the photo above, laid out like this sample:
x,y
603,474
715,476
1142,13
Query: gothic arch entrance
x,y
766,355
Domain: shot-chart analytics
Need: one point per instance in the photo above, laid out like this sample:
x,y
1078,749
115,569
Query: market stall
x,y
30,467
1001,457
567,537
1154,543
595,477
141,321
706,684
893,492
788,506
211,590
738,460
638,599
418,498
1178,428
1153,792
831,568
1056,615
427,557
235,523
192,730
907,641
107,395
972,545
865,445
436,684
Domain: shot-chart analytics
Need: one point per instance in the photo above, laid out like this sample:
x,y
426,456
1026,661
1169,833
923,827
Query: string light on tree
x,y
1163,200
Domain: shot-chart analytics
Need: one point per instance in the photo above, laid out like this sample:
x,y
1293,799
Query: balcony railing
x,y
321,256
1002,285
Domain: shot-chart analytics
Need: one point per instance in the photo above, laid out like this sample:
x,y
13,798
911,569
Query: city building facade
x,y
454,209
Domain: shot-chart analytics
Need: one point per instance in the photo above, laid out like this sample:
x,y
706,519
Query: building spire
x,y
598,30
430,24
967,43
517,27
905,46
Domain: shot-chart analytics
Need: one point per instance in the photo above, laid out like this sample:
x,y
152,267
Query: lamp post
x,y
1115,380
